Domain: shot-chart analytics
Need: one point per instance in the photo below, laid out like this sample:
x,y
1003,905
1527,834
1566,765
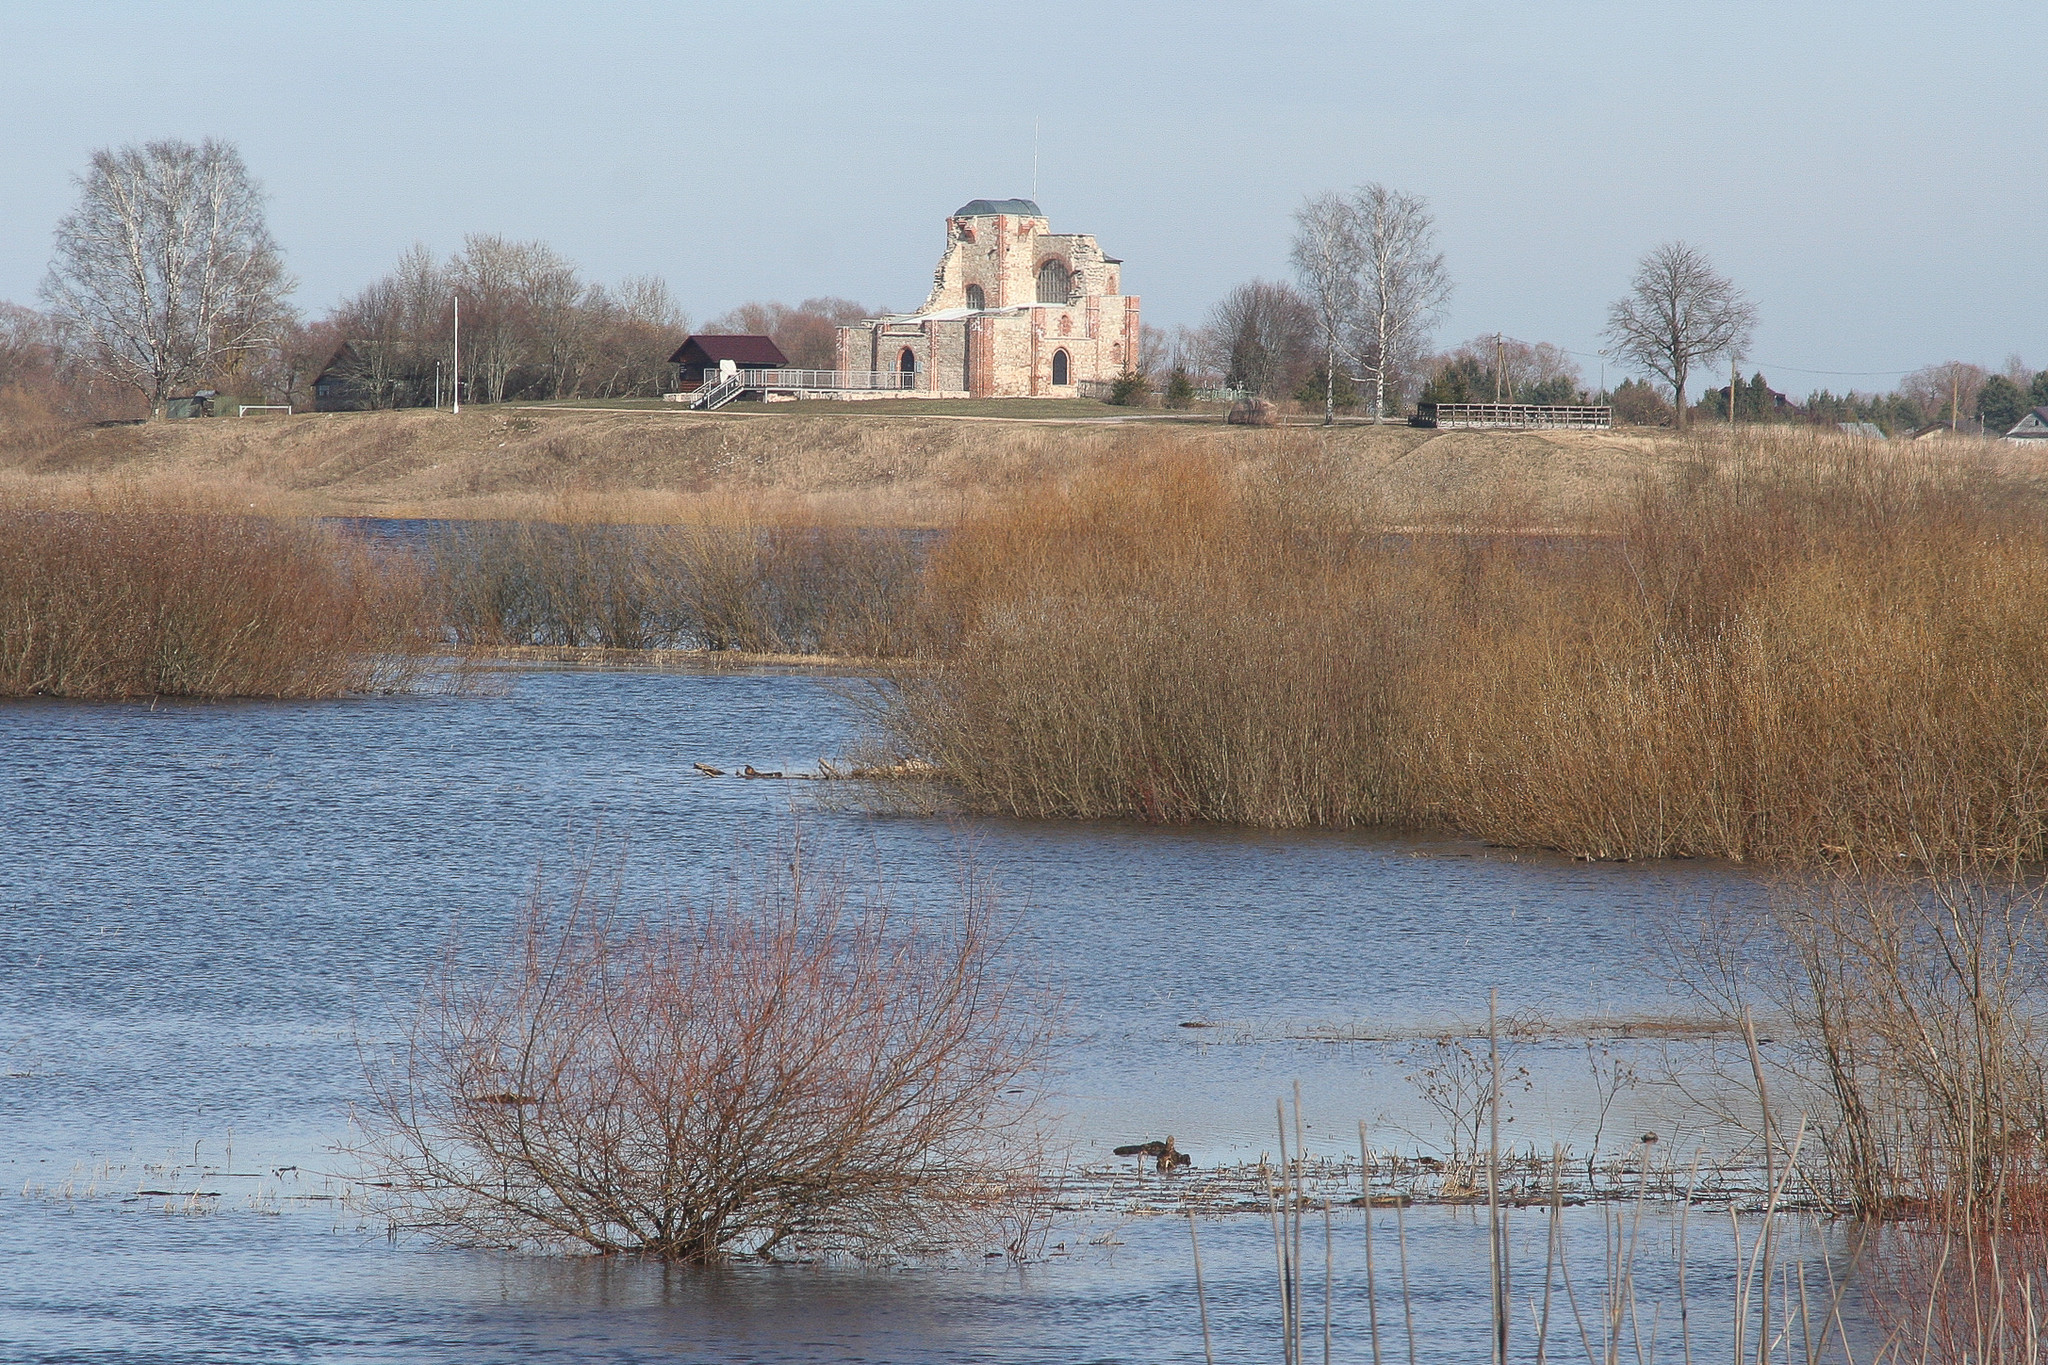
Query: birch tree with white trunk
x,y
1329,258
1404,287
166,270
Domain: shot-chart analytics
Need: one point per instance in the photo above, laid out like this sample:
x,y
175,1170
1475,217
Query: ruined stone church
x,y
1016,309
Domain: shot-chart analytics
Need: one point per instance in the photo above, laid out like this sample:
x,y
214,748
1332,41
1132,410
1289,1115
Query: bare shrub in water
x,y
736,585
126,601
549,583
794,588
1800,646
793,1069
1912,1008
1908,1012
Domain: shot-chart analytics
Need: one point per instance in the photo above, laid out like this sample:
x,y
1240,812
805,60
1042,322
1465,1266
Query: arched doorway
x,y
906,366
1059,367
975,298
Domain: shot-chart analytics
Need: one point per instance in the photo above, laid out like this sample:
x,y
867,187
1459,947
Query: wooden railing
x,y
1515,416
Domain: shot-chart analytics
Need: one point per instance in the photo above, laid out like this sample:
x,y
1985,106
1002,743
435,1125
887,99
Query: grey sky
x,y
1869,171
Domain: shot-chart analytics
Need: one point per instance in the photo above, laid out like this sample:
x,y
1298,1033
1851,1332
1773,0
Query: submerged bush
x,y
770,589
793,1068
118,601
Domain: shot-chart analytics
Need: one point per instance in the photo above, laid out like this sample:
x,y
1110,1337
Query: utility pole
x,y
1496,366
456,360
1734,374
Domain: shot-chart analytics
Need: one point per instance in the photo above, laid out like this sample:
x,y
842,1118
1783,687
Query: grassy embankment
x,y
801,463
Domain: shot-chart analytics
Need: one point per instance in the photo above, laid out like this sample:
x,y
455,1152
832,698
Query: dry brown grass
x,y
846,468
129,599
734,579
1799,645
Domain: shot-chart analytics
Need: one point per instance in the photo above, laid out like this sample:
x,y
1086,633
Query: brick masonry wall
x,y
1008,353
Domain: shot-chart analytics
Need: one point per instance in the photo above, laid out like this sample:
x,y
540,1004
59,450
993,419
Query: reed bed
x,y
730,584
1962,1281
1801,646
130,599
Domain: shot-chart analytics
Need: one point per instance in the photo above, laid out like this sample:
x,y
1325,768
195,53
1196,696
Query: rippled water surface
x,y
204,908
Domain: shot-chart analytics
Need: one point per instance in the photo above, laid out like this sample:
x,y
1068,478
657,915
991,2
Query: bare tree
x,y
808,333
551,306
1261,333
486,276
165,269
1328,256
1405,285
635,328
794,1067
1679,312
1948,389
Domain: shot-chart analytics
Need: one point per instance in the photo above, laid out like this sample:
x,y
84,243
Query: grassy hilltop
x,y
906,465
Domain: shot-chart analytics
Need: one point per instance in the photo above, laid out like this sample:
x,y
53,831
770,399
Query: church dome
x,y
988,208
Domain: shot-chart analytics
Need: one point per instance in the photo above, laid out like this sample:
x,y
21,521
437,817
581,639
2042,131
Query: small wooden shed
x,y
702,356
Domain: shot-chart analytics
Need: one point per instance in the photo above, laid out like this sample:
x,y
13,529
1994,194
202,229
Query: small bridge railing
x,y
1515,416
802,381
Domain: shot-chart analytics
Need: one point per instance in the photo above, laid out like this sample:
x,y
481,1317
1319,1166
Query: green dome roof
x,y
988,208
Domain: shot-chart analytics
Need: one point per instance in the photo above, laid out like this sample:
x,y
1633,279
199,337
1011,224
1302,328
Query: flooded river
x,y
203,909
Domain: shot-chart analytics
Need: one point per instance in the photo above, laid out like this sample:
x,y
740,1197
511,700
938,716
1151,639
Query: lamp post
x,y
456,358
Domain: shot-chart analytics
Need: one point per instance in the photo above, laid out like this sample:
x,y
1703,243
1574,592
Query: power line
x,y
1765,365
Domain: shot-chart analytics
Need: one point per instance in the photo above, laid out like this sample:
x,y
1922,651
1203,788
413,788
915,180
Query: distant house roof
x,y
1969,426
2032,427
986,208
1870,429
750,352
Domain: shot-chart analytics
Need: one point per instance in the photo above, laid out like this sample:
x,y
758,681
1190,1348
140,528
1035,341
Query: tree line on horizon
x,y
165,280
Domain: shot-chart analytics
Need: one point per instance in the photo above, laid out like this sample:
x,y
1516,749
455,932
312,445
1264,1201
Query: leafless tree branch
x,y
797,1068
1679,312
165,267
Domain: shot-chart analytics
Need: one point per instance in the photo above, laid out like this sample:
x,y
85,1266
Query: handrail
x,y
718,395
1524,416
732,385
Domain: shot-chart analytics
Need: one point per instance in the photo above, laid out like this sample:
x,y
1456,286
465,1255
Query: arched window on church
x,y
1054,280
975,298
1059,367
906,365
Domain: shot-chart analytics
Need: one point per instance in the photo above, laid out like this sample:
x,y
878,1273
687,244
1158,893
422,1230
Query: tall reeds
x,y
1799,647
129,600
736,584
